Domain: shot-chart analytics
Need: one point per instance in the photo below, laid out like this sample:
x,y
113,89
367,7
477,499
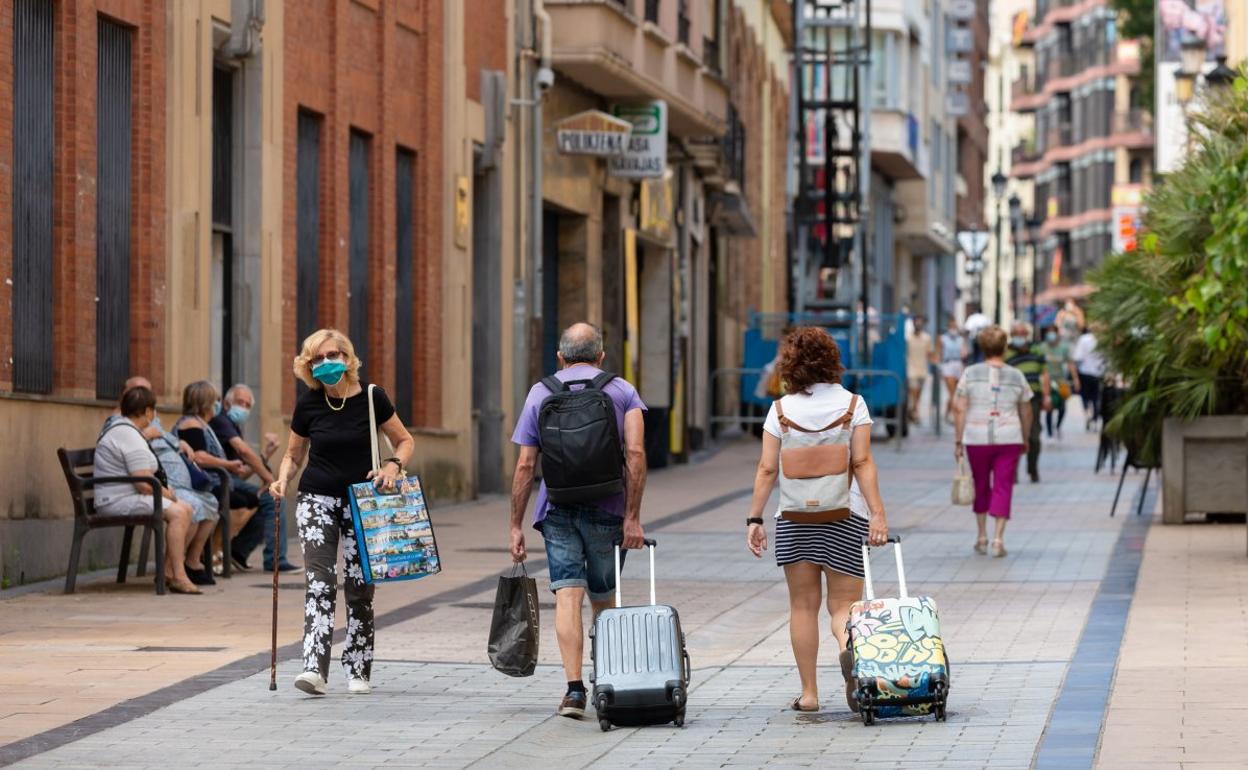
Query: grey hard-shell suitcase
x,y
641,667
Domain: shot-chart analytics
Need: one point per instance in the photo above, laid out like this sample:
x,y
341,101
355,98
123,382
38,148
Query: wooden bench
x,y
79,466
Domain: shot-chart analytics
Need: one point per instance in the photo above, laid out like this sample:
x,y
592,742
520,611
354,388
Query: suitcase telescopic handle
x,y
650,545
866,567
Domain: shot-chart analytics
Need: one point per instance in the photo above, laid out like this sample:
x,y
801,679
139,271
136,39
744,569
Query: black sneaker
x,y
240,562
282,567
573,705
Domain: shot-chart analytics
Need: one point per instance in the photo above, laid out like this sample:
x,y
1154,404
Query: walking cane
x,y
277,549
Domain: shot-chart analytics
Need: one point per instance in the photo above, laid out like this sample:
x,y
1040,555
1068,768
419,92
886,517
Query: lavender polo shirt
x,y
623,395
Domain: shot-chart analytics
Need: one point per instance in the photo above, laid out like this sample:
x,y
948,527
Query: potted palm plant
x,y
1172,319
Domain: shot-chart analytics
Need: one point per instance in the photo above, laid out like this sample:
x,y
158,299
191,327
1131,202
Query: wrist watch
x,y
754,520
397,462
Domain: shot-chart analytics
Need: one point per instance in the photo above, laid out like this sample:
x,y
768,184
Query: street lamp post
x,y
1016,226
1033,235
998,192
1192,53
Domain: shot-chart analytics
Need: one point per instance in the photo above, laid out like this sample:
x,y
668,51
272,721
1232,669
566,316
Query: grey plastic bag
x,y
514,630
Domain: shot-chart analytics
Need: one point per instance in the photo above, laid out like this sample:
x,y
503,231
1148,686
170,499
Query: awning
x,y
1062,293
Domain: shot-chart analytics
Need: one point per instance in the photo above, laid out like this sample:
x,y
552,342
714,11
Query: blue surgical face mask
x,y
329,372
1050,337
237,414
1018,342
216,407
156,424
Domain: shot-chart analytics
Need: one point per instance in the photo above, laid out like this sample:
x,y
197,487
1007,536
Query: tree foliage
x,y
1172,317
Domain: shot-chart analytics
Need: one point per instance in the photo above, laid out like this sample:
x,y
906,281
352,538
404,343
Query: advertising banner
x,y
1178,20
646,155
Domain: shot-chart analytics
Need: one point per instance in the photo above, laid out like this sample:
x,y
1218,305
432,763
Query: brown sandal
x,y
847,671
178,587
796,705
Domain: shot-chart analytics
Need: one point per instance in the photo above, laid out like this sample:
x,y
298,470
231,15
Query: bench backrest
x,y
79,465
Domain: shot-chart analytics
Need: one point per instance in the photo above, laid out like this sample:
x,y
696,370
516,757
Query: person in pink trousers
x,y
992,419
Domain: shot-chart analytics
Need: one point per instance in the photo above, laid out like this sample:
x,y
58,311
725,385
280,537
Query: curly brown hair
x,y
808,355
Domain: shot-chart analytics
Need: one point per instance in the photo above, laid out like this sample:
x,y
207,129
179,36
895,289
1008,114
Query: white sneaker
x,y
358,686
310,682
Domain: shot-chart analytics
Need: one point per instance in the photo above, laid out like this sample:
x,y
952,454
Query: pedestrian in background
x,y
920,355
951,352
992,424
228,425
1091,367
813,554
122,450
580,535
1062,374
1028,358
330,427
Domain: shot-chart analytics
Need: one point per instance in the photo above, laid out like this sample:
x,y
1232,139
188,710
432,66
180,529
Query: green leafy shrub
x,y
1172,317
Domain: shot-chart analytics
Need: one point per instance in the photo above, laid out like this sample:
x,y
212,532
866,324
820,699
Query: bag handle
x,y
372,428
866,567
651,544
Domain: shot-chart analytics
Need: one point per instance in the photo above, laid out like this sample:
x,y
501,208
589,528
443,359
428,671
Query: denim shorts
x,y
580,549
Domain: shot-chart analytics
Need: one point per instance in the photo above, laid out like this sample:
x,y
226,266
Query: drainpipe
x,y
534,77
542,79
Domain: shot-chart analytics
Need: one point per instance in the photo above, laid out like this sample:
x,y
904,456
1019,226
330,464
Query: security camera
x,y
545,78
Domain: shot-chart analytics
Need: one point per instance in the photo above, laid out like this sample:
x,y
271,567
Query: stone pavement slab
x,y
1011,626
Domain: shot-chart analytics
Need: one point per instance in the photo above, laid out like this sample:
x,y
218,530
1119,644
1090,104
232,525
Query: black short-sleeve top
x,y
339,454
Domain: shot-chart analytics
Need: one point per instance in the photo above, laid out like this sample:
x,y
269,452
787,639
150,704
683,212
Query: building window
x,y
404,321
359,220
112,209
308,224
32,195
710,41
652,11
682,21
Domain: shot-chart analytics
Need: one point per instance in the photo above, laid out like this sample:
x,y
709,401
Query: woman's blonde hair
x,y
198,398
303,361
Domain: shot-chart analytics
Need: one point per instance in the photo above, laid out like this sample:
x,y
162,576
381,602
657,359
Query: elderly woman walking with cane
x,y
330,427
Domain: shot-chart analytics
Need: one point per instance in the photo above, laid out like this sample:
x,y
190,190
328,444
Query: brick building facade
x,y
368,73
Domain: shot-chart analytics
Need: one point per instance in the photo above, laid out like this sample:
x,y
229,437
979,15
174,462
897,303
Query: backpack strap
x,y
843,420
600,382
554,384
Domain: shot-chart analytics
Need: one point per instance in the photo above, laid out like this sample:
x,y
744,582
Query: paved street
x,y
1032,679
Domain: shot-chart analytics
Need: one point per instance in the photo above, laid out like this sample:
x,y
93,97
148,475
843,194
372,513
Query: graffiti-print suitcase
x,y
641,668
900,667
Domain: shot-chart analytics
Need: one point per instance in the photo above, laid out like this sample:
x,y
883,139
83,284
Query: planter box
x,y
1206,466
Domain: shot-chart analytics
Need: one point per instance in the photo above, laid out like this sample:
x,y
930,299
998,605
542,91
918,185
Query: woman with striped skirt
x,y
814,553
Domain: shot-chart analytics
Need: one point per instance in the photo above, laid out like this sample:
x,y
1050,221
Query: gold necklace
x,y
331,406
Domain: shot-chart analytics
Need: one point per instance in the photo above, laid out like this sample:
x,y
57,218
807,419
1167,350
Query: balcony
x,y
895,144
1132,130
1063,74
921,226
608,50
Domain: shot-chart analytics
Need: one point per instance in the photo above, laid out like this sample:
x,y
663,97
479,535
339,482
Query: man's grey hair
x,y
1023,325
581,344
239,388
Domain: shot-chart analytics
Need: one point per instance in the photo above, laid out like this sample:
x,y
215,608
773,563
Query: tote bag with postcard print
x,y
393,529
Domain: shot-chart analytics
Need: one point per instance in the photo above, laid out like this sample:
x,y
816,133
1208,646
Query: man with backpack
x,y
586,428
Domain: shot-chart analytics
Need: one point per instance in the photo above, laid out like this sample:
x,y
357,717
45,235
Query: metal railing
x,y
896,424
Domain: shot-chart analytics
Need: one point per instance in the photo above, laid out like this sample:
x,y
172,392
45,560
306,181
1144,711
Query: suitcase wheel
x,y
679,721
605,724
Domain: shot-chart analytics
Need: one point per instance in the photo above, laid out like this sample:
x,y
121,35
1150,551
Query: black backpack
x,y
582,455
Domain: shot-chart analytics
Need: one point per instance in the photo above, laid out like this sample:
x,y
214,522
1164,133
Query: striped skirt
x,y
837,546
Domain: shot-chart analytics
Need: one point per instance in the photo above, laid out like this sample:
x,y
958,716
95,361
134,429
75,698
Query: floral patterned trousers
x,y
325,521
